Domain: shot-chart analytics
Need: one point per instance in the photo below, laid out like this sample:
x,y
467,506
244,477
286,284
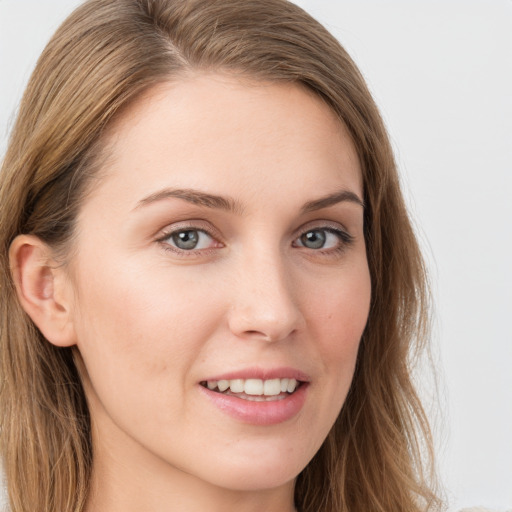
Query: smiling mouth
x,y
256,390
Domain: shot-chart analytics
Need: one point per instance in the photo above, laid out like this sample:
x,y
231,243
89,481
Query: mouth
x,y
257,396
255,390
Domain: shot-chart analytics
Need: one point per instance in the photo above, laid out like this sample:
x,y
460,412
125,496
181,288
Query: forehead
x,y
217,130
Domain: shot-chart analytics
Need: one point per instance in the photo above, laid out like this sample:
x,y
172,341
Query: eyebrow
x,y
331,200
231,205
195,197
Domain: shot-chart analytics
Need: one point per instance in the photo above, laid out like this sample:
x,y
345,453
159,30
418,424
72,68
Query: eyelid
x,y
188,225
332,226
346,239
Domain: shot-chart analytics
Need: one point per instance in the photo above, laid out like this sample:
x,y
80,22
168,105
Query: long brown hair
x,y
378,455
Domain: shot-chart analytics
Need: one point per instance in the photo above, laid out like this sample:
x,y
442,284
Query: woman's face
x,y
222,246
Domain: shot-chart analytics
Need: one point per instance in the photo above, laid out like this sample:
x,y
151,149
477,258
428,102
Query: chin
x,y
264,471
256,478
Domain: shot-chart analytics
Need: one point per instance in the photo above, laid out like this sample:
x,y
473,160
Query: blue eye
x,y
323,239
190,239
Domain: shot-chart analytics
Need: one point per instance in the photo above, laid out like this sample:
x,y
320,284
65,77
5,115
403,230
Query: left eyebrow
x,y
195,197
332,199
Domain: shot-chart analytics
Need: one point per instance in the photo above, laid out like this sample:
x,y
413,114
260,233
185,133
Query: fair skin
x,y
170,291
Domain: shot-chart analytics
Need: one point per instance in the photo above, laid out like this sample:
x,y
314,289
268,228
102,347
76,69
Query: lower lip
x,y
259,413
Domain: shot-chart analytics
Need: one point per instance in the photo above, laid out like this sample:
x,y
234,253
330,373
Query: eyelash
x,y
345,240
163,240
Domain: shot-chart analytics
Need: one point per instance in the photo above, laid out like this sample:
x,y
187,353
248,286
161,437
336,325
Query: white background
x,y
441,72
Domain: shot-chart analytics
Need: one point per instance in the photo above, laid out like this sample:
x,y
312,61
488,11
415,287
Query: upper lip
x,y
262,373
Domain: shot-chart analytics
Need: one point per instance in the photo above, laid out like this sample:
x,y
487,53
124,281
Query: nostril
x,y
257,334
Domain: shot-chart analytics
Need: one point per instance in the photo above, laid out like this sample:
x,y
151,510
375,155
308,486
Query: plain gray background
x,y
441,72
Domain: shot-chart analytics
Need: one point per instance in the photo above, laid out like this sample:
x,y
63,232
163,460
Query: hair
x,y
378,455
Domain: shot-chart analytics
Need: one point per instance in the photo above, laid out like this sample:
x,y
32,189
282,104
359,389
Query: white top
x,y
481,509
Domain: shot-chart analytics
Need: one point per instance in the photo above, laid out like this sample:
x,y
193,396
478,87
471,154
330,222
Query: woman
x,y
210,285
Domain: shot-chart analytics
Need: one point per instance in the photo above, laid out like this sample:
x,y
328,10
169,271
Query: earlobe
x,y
42,289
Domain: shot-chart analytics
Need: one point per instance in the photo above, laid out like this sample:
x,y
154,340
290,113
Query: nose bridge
x,y
264,304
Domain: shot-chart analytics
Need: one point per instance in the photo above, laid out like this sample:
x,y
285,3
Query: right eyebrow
x,y
195,197
332,199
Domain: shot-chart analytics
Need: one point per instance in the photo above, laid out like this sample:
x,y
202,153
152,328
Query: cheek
x,y
152,305
140,334
338,318
336,315
340,312
139,326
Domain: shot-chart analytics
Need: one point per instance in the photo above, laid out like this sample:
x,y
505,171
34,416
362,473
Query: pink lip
x,y
260,413
263,374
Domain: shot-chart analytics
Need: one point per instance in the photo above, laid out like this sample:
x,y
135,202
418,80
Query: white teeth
x,y
236,385
223,385
272,387
292,384
255,387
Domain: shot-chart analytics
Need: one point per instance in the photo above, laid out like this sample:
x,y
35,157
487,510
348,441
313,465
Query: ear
x,y
43,289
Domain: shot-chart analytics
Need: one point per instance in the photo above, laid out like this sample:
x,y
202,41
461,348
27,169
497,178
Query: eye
x,y
323,238
189,240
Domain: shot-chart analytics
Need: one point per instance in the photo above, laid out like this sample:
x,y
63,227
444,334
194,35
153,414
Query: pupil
x,y
313,239
186,239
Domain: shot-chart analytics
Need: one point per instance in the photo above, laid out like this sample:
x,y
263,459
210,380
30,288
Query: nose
x,y
264,304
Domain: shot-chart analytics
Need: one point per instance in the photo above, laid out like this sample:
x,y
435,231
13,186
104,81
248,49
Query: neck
x,y
132,493
131,481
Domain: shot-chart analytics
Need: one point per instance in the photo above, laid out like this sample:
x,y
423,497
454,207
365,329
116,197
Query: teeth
x,y
236,386
255,387
292,384
272,387
223,385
